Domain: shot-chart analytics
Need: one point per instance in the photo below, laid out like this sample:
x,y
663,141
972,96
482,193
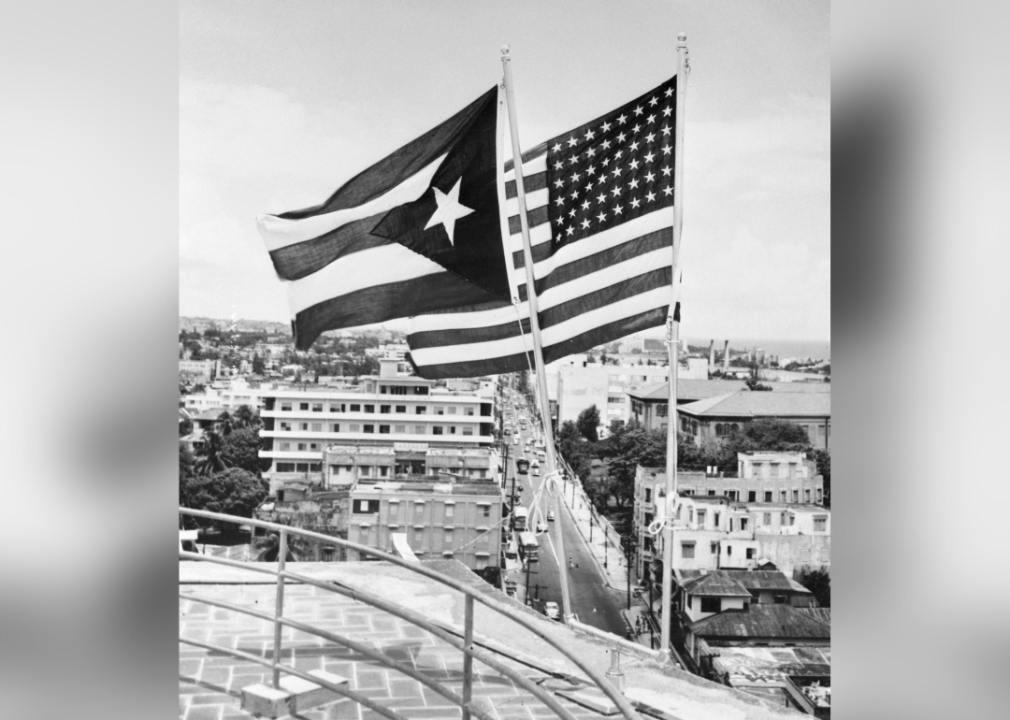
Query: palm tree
x,y
224,423
211,459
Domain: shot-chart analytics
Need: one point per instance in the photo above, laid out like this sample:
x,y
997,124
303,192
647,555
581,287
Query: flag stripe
x,y
534,199
561,332
530,158
520,361
379,303
297,261
536,216
382,265
532,183
279,231
552,316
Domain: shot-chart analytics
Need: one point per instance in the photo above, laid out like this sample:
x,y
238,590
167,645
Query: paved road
x,y
594,602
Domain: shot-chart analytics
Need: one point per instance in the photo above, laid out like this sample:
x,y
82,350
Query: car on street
x,y
541,527
552,611
515,439
535,472
550,516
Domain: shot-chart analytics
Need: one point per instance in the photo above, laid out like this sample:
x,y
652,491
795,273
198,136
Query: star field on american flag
x,y
613,169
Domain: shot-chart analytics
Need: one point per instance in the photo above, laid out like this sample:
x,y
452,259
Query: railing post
x,y
467,657
614,673
282,556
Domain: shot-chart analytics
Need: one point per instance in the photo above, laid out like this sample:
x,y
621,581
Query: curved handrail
x,y
410,616
501,608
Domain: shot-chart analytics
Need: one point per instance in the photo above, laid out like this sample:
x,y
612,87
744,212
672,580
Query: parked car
x,y
552,611
550,516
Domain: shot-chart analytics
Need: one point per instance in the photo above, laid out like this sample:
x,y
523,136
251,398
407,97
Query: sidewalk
x,y
614,570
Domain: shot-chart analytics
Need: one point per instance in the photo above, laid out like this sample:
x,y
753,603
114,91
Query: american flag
x,y
600,209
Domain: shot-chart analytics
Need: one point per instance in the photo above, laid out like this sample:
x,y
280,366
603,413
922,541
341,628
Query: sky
x,y
281,103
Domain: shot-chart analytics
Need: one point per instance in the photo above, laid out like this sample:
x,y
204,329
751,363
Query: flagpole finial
x,y
505,50
682,38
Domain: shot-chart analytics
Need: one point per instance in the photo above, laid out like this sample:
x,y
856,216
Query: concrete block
x,y
306,695
262,700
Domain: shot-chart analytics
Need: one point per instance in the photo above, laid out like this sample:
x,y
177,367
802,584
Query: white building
x,y
299,422
605,386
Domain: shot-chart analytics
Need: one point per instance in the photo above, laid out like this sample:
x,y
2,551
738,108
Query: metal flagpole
x,y
545,408
673,338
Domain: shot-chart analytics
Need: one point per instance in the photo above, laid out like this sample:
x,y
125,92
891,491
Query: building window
x,y
750,553
711,605
420,390
796,495
365,471
452,429
286,426
304,426
385,409
285,446
648,495
286,406
418,510
436,430
729,550
439,410
317,407
285,467
806,495
711,493
418,538
301,447
732,494
448,538
449,510
743,523
785,496
419,429
365,506
383,389
384,429
687,550
766,519
713,548
369,408
336,407
355,407
701,518
820,523
752,496
317,427
485,510
452,409
820,496
715,518
468,429
355,427
383,471
397,390
313,446
768,495
469,411
303,406
401,408
421,409
368,428
400,429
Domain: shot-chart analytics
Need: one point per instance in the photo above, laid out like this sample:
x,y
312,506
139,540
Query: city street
x,y
592,601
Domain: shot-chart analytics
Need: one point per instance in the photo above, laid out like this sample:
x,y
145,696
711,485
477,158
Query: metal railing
x,y
466,644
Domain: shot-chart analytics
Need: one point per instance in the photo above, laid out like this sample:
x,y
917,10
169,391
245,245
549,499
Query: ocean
x,y
818,350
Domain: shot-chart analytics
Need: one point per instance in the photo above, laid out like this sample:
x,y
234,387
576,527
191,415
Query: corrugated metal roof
x,y
763,621
762,404
716,583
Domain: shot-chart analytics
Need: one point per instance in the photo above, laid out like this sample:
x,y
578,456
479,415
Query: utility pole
x,y
606,548
652,638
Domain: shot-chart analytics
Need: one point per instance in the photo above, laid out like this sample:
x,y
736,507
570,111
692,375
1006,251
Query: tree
x,y
754,381
224,423
232,491
241,449
268,548
210,458
587,422
819,583
258,366
185,427
245,417
823,460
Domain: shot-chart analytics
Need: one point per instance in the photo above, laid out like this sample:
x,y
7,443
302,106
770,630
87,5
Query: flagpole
x,y
531,295
673,338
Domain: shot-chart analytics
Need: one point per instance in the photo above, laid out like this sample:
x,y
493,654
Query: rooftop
x,y
691,390
761,404
770,664
714,584
763,621
210,682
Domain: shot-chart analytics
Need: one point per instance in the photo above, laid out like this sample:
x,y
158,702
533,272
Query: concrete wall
x,y
793,553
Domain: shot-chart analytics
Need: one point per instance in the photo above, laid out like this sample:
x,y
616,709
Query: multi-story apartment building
x,y
720,532
458,519
300,421
583,385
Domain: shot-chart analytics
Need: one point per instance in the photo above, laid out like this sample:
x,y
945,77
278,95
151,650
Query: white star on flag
x,y
449,210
